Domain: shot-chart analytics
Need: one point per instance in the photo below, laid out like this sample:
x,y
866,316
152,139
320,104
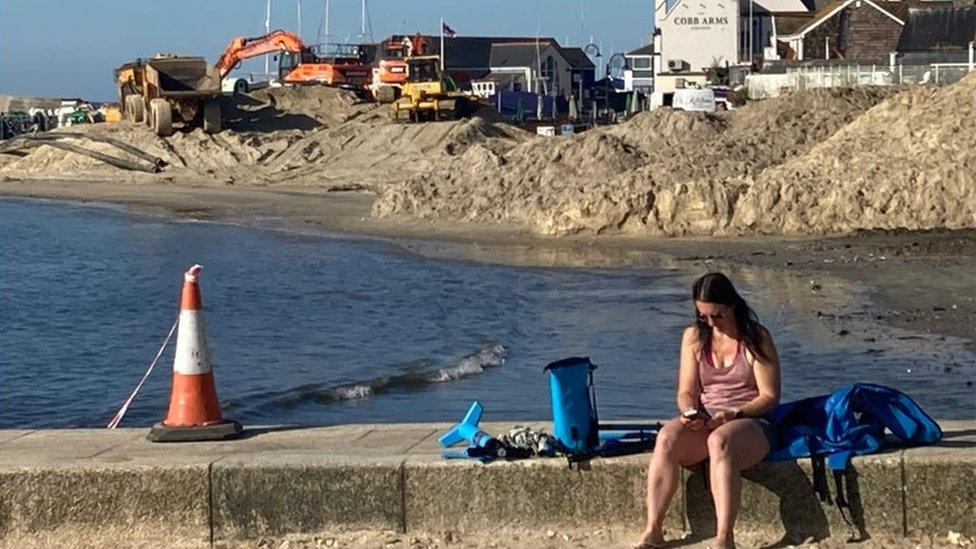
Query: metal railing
x,y
760,86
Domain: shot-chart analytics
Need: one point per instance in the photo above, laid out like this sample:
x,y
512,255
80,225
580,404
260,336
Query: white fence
x,y
764,86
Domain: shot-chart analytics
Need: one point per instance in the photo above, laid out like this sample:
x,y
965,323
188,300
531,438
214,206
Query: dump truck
x,y
170,89
428,94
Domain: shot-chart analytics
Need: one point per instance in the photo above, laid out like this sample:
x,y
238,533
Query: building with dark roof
x,y
639,72
542,63
937,35
850,29
517,54
577,58
582,71
516,63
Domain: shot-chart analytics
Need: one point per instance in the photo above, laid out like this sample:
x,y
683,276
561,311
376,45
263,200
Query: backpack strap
x,y
820,486
822,489
844,506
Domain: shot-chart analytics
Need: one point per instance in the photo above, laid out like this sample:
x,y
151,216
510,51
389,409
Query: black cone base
x,y
225,430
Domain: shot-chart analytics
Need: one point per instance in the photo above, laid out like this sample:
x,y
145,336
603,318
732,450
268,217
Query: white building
x,y
697,34
693,36
639,72
541,65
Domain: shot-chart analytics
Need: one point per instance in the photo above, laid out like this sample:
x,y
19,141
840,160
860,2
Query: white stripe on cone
x,y
192,351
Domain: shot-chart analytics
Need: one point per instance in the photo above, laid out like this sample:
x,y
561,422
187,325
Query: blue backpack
x,y
849,422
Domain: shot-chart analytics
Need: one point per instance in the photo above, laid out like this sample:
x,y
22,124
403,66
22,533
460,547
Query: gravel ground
x,y
563,539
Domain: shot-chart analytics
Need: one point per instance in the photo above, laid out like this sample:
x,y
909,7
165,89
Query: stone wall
x,y
102,487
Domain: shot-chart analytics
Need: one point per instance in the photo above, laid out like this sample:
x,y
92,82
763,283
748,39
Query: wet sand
x,y
922,281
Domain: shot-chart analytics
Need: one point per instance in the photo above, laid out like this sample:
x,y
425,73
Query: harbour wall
x,y
111,487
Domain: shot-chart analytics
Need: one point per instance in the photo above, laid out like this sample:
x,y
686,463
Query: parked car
x,y
693,99
244,84
723,98
14,123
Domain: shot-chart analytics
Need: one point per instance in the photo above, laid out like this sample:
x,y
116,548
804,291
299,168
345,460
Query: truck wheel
x,y
240,86
386,94
123,103
162,117
211,116
135,110
463,108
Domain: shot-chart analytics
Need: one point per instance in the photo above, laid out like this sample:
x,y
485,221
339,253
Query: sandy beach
x,y
921,281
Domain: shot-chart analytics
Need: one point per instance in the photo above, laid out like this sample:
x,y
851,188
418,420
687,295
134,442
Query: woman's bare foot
x,y
717,543
650,539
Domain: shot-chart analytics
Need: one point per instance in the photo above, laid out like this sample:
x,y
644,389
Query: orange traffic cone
x,y
194,411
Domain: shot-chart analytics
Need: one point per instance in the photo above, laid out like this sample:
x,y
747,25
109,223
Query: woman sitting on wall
x,y
729,377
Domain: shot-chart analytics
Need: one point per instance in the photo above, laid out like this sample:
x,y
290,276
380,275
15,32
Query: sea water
x,y
321,329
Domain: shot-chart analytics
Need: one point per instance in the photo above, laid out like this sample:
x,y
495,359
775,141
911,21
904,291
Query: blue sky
x,y
65,48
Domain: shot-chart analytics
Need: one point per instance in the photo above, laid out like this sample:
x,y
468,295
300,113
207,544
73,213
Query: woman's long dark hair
x,y
717,288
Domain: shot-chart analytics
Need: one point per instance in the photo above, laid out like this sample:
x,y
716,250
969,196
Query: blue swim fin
x,y
467,430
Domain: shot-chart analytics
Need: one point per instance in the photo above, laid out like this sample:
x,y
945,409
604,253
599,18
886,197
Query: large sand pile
x,y
326,105
309,135
664,172
824,161
821,161
909,162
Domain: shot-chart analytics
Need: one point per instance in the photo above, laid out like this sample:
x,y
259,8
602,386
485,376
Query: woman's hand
x,y
693,424
721,418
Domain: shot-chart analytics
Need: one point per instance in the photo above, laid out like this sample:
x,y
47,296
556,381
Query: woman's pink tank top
x,y
726,388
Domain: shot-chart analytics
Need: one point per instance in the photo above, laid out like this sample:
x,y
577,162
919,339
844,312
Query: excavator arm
x,y
242,48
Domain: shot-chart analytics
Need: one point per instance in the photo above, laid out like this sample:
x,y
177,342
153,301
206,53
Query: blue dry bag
x,y
574,416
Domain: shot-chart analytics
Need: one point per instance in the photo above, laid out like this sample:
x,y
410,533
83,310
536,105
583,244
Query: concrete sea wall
x,y
113,487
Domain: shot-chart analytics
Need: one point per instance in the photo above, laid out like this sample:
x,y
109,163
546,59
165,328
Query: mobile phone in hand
x,y
692,415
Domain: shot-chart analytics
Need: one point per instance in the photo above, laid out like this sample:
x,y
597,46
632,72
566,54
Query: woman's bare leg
x,y
732,448
676,446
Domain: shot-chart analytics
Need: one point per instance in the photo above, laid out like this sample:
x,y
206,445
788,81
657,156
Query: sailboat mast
x,y
267,29
362,21
328,31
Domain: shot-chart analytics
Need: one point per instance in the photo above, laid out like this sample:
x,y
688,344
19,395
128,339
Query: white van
x,y
691,99
694,100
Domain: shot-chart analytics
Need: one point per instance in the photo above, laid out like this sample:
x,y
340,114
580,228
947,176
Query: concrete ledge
x,y
779,501
52,481
470,497
255,496
135,502
940,486
115,486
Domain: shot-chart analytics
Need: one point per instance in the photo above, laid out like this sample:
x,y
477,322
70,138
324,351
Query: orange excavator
x,y
391,73
299,64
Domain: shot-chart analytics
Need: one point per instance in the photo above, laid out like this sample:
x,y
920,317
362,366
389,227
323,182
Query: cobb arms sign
x,y
702,33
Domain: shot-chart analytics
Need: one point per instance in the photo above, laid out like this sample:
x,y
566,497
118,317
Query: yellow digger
x,y
428,94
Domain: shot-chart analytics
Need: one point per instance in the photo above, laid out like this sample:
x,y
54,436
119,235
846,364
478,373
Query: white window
x,y
549,73
640,62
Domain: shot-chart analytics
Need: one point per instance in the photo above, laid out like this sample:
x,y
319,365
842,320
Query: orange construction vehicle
x,y
391,73
299,63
